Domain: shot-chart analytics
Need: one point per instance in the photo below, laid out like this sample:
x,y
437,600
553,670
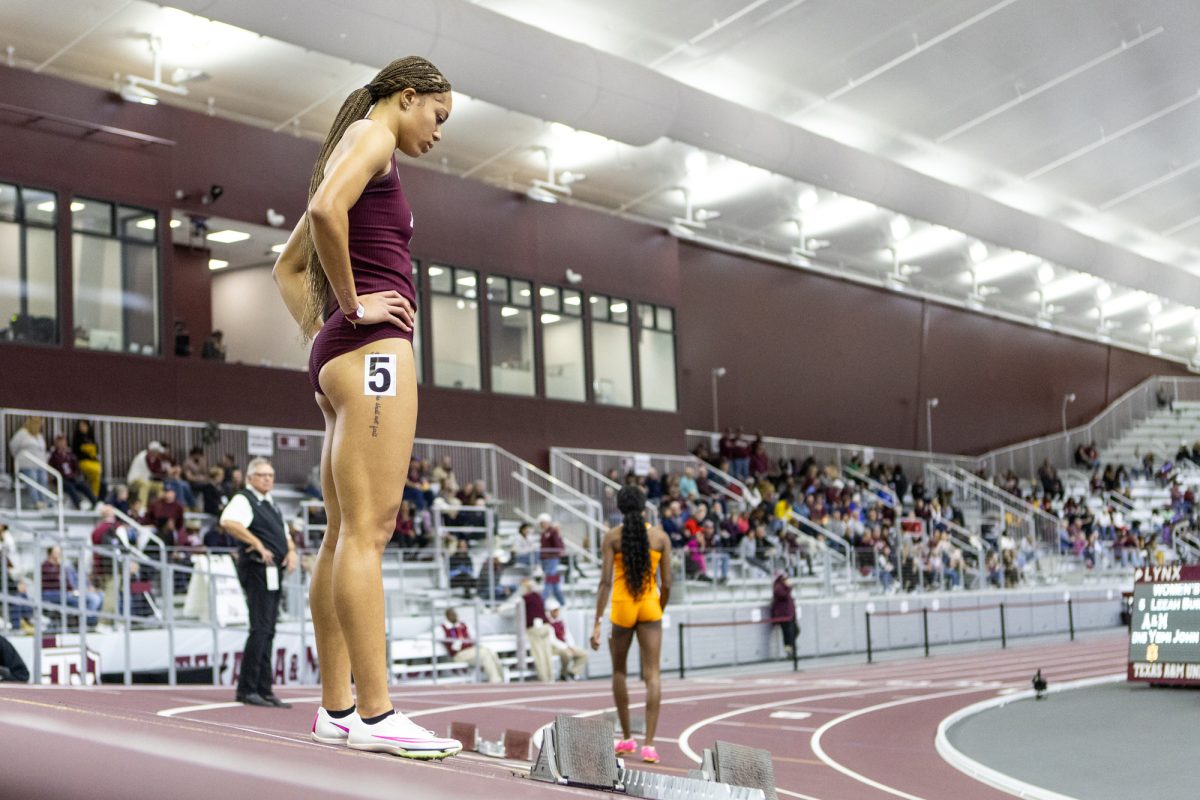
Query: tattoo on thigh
x,y
375,419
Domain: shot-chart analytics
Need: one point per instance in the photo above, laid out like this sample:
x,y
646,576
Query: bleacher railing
x,y
25,482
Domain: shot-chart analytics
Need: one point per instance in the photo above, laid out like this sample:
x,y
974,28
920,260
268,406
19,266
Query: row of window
x,y
460,331
114,271
116,307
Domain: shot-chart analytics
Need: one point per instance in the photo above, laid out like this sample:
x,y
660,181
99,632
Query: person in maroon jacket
x,y
76,486
783,611
551,555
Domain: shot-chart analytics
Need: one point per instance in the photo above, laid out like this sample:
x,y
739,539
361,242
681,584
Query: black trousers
x,y
257,672
790,630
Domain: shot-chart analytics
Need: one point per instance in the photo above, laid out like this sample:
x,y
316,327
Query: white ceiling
x,y
1081,112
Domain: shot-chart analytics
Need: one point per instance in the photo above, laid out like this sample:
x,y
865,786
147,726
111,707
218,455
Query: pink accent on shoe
x,y
315,717
649,755
342,728
626,746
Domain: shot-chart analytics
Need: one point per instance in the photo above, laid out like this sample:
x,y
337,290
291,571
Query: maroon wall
x,y
807,356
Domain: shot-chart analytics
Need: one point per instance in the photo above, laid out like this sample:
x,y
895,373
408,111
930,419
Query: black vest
x,y
267,525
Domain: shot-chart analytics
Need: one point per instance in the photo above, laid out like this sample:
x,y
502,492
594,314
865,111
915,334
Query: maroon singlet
x,y
381,226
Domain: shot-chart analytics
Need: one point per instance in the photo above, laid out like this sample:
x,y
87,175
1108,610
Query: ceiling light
x,y
1045,274
836,215
175,223
696,163
216,263
1155,308
47,205
572,300
928,241
147,224
559,130
1130,301
1067,286
618,308
1103,292
977,251
132,93
541,195
466,280
807,198
550,319
523,292
546,291
228,236
681,231
900,227
1176,316
435,271
593,299
509,311
78,206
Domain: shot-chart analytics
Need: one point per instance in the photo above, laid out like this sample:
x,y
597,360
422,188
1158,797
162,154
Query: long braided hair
x,y
635,543
412,72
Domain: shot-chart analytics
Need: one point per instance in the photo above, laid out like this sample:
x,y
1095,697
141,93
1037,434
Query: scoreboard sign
x,y
1164,628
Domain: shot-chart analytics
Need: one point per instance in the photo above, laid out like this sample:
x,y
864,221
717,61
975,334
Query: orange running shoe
x,y
649,755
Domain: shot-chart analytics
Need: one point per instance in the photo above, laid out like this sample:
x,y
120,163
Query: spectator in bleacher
x,y
688,489
562,644
87,453
489,583
751,549
166,507
463,649
443,475
653,486
526,549
212,498
213,348
1164,398
195,470
537,630
182,489
20,606
146,473
215,538
8,548
725,446
899,484
460,566
74,485
60,584
1052,486
716,557
1128,549
415,486
312,487
740,455
118,498
28,440
551,553
760,462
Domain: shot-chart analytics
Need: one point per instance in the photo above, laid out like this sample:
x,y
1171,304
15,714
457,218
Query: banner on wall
x,y
260,442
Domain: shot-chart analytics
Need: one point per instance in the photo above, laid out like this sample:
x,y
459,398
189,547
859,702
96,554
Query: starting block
x,y
578,752
466,733
739,765
517,744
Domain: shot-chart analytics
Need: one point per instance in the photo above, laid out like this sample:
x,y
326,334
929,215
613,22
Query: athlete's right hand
x,y
390,307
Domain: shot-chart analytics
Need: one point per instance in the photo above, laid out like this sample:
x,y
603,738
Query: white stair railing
x,y
25,461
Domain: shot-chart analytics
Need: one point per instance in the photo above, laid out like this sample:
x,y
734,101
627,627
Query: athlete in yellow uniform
x,y
633,552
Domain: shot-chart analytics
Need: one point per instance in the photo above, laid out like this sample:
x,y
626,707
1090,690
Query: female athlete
x,y
346,277
632,552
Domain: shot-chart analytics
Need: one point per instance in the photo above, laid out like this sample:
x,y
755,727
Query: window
x,y
28,265
612,359
562,344
116,276
454,309
510,335
656,357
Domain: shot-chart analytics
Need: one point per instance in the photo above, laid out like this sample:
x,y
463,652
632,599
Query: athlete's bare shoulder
x,y
659,540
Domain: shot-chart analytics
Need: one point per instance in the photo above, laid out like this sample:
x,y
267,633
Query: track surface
x,y
851,732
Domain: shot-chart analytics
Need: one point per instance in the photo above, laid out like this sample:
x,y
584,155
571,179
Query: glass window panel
x,y
8,201
572,303
137,223
497,289
466,283
612,364
29,288
455,338
551,299
510,338
618,310
116,295
40,207
522,294
91,216
41,279
562,357
599,306
647,313
656,355
666,319
441,280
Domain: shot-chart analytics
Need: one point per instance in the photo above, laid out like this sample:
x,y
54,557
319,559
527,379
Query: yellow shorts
x,y
627,612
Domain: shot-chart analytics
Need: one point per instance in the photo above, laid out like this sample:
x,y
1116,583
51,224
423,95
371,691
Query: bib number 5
x,y
379,375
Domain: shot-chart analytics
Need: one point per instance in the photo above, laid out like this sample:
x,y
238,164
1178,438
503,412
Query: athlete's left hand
x,y
595,641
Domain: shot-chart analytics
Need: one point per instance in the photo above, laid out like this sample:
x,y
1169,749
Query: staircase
x,y
1161,433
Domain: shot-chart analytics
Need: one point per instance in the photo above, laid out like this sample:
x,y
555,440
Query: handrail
x,y
883,490
726,481
574,462
1017,502
567,543
142,530
23,478
590,501
549,496
845,546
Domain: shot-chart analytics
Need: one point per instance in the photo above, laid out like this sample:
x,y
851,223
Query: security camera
x,y
213,194
573,277
274,218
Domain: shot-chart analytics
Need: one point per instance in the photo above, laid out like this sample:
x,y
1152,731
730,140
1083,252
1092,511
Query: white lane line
x,y
985,774
171,712
796,794
821,754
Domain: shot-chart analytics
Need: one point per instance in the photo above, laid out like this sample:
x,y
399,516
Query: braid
x,y
412,72
635,544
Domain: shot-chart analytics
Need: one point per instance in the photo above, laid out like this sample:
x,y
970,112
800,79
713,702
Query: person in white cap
x,y
145,473
573,658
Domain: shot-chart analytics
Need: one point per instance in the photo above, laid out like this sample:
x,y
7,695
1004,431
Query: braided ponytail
x,y
412,72
635,543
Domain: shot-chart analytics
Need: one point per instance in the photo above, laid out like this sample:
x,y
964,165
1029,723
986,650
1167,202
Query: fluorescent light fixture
x,y
1155,308
550,319
541,195
899,227
547,291
132,93
228,236
837,214
523,292
1130,301
435,271
466,280
977,252
1004,266
216,263
461,305
593,299
928,241
508,311
618,308
175,223
1045,274
1065,287
78,206
807,198
572,300
1103,292
696,163
46,205
1174,317
147,224
680,231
